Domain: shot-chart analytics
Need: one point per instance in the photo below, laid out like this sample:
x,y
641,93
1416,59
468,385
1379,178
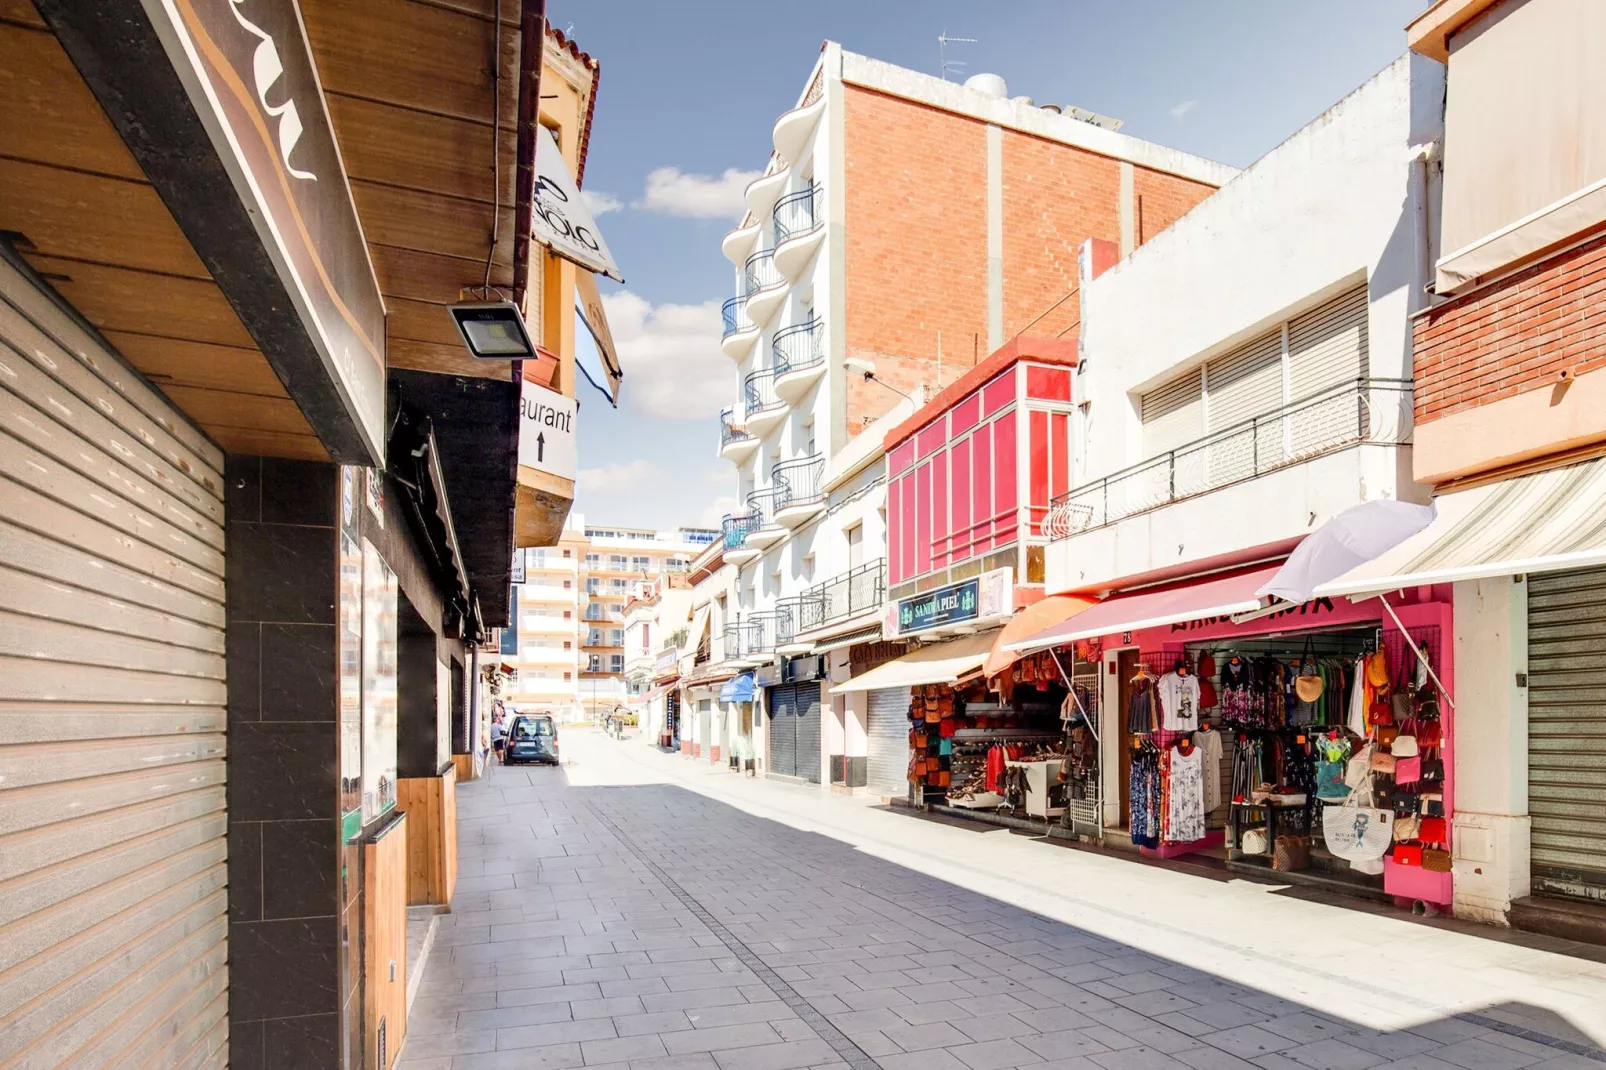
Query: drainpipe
x,y
1422,157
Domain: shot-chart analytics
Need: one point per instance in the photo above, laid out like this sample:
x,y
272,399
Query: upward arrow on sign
x,y
540,447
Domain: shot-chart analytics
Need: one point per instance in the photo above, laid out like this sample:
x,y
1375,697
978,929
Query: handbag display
x,y
1330,782
1377,669
1309,685
1431,804
1407,828
1407,854
1354,832
1436,860
1433,830
1358,768
1386,735
1405,745
1253,841
1429,734
1407,770
1432,770
1383,762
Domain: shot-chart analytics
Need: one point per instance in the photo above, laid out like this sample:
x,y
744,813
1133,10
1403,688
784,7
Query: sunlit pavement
x,y
648,909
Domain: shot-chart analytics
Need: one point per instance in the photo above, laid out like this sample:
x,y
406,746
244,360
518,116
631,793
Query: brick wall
x,y
1514,337
916,210
916,229
1054,197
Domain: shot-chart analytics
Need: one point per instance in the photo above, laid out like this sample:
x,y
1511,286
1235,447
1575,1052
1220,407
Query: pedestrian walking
x,y
499,735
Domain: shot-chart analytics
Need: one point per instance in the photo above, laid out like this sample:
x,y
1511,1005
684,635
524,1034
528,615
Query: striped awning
x,y
1539,522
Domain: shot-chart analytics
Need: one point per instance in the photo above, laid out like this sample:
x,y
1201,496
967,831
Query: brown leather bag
x,y
1290,853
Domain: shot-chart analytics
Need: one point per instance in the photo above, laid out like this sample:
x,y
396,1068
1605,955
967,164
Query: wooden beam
x,y
431,222
416,151
443,359
430,277
50,114
248,412
116,298
181,362
269,443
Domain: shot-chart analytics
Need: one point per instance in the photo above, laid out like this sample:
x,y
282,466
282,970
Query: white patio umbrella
x,y
1351,538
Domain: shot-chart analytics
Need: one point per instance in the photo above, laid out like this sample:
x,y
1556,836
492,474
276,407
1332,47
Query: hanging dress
x,y
1185,814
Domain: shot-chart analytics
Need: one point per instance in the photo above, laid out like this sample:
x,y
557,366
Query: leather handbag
x,y
1433,770
1437,860
1405,744
1377,669
1308,685
1407,828
1433,830
1408,854
1431,804
1290,853
1383,762
1407,770
1381,713
1386,734
1253,841
1429,734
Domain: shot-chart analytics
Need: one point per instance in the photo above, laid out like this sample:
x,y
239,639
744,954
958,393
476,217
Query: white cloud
x,y
674,368
715,511
671,191
1179,110
600,203
617,478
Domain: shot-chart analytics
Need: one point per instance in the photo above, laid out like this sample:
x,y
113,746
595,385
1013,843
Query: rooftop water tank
x,y
991,84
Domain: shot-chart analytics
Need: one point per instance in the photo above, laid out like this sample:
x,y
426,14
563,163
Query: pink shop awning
x,y
1219,596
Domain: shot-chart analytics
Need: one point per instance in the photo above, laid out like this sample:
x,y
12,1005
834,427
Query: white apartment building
x,y
569,644
897,231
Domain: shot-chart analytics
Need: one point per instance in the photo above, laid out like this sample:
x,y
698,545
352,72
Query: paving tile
x,y
720,1037
1392,1045
1248,1041
431,1045
1222,1015
1054,1019
939,1059
1479,1053
1065,1044
635,1025
922,1013
1208,1058
555,1057
534,1036
1332,1054
925,1037
786,1056
623,1049
740,1014
1139,1058
1305,1027
994,1055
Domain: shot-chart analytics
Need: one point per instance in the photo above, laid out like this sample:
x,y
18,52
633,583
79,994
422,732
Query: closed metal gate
x,y
1567,731
705,719
794,731
888,729
112,683
781,734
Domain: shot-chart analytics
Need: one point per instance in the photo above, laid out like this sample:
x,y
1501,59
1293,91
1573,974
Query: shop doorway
x,y
794,731
1126,670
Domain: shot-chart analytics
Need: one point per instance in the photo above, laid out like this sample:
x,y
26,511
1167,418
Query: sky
x,y
689,91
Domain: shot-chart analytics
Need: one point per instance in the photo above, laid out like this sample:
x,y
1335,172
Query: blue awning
x,y
737,689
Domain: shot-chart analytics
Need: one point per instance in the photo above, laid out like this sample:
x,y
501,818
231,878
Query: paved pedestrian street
x,y
645,911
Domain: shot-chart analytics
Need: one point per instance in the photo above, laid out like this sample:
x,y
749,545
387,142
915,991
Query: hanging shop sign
x,y
546,431
250,77
561,220
985,597
802,670
767,675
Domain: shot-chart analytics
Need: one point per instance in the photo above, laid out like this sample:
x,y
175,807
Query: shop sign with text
x,y
985,597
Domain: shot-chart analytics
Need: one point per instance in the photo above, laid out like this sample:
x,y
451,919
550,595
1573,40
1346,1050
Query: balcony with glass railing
x,y
739,331
798,357
766,287
736,442
1261,484
799,230
799,490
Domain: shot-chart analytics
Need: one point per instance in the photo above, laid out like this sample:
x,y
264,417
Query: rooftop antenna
x,y
943,62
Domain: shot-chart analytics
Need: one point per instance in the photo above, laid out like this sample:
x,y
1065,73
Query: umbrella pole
x,y
1426,664
1091,727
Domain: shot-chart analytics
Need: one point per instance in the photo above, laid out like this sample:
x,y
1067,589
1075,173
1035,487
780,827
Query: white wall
x,y
1333,204
1329,204
1492,829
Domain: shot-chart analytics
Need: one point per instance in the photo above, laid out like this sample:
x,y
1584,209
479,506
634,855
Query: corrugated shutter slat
x,y
1172,415
888,730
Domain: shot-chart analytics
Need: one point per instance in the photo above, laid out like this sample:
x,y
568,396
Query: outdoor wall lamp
x,y
866,368
493,330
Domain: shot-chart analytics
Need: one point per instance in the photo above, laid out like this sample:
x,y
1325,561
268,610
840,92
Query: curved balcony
x,y
789,613
798,354
738,244
799,232
761,504
735,531
766,288
740,332
736,442
764,190
765,408
793,130
799,490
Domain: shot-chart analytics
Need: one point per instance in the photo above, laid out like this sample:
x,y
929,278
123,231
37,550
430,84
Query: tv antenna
x,y
943,62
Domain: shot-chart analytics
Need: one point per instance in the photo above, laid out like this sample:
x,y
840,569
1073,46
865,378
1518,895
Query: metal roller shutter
x,y
1173,415
1327,345
705,720
888,730
807,698
782,734
1243,389
111,703
1567,731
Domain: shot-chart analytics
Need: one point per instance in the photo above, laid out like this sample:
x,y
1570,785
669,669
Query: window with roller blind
x,y
1297,363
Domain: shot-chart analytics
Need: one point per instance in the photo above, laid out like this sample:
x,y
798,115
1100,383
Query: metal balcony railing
x,y
798,347
752,637
1363,410
759,390
730,430
798,482
843,597
794,214
762,273
761,506
735,529
734,313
